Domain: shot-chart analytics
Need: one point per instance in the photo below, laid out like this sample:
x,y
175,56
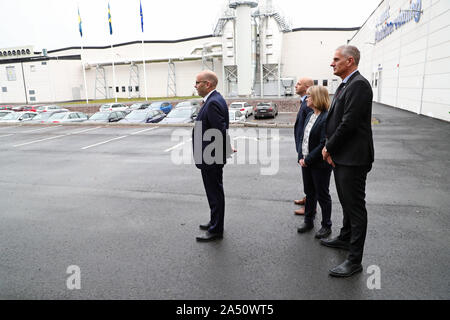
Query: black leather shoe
x,y
335,243
323,233
346,269
205,226
305,228
208,236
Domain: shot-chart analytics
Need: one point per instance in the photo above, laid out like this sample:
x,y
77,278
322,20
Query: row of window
x,y
14,52
130,89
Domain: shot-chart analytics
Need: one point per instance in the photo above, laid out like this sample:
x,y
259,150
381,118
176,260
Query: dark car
x,y
140,105
144,116
164,106
25,108
106,117
182,115
265,109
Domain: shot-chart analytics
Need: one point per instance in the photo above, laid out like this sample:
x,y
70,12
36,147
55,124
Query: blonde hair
x,y
319,97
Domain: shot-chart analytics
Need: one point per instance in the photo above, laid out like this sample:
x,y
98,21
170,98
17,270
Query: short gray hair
x,y
350,51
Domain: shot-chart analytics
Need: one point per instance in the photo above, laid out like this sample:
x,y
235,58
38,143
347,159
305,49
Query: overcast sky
x,y
53,24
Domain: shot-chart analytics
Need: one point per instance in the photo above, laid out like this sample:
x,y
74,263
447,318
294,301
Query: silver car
x,y
67,117
50,108
18,117
5,112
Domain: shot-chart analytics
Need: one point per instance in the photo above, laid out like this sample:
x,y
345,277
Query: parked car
x,y
4,113
43,116
182,115
265,109
139,105
236,116
189,103
25,108
244,107
50,108
164,106
67,117
144,116
106,117
113,107
18,117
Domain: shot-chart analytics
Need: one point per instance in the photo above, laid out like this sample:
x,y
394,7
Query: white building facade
x,y
405,53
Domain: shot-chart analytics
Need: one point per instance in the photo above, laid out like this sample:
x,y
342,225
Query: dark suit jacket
x,y
212,115
349,124
300,123
316,142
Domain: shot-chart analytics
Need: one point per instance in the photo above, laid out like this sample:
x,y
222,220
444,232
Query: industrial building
x,y
256,53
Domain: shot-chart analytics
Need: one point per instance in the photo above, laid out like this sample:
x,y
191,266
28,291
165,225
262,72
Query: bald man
x,y
300,88
210,153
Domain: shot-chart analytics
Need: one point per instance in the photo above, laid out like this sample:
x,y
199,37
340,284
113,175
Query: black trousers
x,y
316,183
351,189
213,183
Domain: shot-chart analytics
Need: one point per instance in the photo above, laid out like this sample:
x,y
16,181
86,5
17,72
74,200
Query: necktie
x,y
339,89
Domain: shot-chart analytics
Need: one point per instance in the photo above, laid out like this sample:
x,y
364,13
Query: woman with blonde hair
x,y
316,172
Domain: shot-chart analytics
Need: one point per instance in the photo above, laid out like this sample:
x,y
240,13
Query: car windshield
x,y
263,104
156,104
4,114
100,116
236,105
136,115
106,106
12,116
58,116
180,113
137,105
184,104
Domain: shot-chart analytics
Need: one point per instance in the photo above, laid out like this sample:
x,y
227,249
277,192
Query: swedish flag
x,y
109,19
142,16
79,23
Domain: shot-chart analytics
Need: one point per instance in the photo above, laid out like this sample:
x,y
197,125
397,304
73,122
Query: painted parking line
x,y
117,138
7,135
177,146
55,137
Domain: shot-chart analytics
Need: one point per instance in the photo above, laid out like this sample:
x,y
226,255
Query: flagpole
x,y
114,72
81,56
143,52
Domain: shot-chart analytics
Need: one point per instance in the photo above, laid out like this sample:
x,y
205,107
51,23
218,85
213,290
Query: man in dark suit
x,y
349,149
211,147
300,88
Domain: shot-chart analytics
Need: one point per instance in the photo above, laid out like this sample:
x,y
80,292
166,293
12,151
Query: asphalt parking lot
x,y
113,201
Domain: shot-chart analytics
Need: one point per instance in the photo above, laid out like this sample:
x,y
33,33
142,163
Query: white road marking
x,y
100,143
7,135
153,128
55,137
176,146
117,138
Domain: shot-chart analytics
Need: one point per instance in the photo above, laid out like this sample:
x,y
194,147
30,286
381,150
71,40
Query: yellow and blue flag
x,y
79,23
142,16
109,19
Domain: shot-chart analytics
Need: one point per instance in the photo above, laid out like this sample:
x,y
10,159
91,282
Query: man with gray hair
x,y
349,149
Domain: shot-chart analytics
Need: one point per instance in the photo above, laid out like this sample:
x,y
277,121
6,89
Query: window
x,y
32,98
130,88
44,63
136,88
316,82
123,89
325,83
31,92
11,73
117,89
4,89
32,68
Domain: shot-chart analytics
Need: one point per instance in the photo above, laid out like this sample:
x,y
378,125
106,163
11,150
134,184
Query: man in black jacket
x,y
300,88
349,149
